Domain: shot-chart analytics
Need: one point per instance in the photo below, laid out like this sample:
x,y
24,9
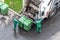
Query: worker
x,y
16,22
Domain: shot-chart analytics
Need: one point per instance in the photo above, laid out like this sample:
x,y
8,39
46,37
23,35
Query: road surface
x,y
50,30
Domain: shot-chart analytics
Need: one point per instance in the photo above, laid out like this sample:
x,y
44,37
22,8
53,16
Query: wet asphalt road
x,y
50,30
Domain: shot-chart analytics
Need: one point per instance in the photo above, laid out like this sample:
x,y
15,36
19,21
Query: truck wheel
x,y
52,13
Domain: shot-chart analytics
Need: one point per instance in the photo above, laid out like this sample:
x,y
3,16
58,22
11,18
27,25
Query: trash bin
x,y
4,9
21,21
27,24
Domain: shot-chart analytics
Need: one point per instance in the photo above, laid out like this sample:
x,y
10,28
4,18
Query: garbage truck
x,y
34,12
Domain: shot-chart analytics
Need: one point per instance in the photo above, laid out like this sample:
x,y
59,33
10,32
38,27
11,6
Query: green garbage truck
x,y
34,12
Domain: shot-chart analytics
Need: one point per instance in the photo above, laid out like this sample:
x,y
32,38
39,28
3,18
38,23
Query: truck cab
x,y
49,7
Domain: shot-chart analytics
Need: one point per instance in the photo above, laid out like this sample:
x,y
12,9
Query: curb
x,y
13,11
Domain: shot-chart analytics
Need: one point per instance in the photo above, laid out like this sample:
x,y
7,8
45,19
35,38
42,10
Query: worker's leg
x,y
39,28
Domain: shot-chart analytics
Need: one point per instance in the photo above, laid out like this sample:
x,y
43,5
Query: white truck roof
x,y
44,4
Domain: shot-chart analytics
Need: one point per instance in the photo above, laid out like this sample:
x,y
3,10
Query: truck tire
x,y
52,13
